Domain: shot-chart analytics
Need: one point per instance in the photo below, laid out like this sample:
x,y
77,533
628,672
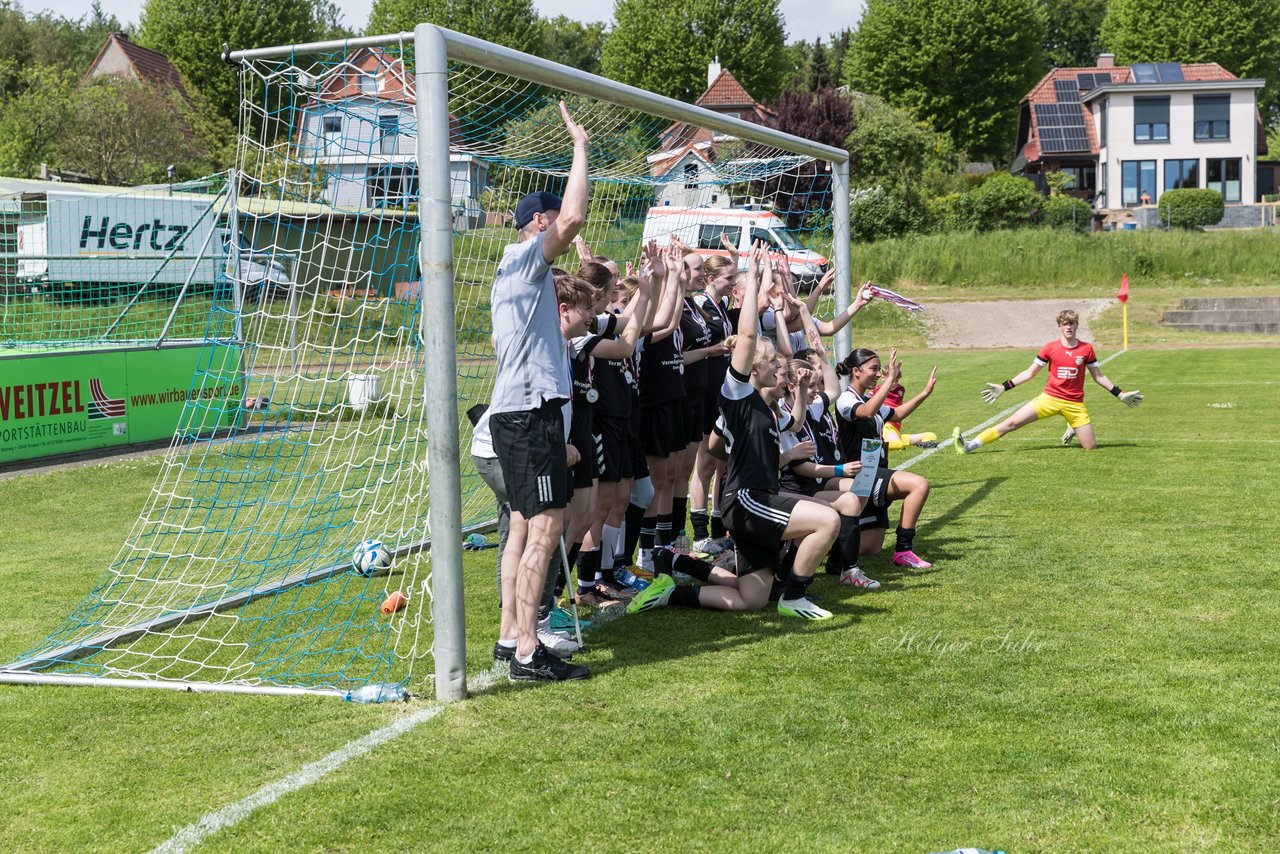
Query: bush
x,y
952,212
1004,201
1191,208
880,212
1063,211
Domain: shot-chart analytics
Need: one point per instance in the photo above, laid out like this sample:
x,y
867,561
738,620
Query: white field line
x,y
995,419
232,814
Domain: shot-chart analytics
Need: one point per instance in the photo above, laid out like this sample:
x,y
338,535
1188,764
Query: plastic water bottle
x,y
376,693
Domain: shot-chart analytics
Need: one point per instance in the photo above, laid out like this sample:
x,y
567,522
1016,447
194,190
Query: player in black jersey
x,y
708,528
863,414
761,519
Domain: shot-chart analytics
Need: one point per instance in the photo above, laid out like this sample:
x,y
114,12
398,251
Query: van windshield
x,y
787,239
777,237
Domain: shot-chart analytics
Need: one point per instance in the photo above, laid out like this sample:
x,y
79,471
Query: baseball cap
x,y
539,202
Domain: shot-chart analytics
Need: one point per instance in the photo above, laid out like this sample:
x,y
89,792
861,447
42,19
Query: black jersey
x,y
697,334
717,317
789,479
853,429
619,387
582,369
822,429
750,432
662,370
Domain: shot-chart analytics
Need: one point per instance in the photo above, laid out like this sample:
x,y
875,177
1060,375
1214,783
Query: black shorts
x,y
530,449
582,438
757,520
617,449
662,430
694,416
875,514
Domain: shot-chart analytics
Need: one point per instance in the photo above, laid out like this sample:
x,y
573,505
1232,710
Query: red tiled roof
x,y
393,83
725,91
724,95
1045,92
151,66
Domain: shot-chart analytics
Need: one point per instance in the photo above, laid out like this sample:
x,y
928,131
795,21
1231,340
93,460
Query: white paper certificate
x,y
870,459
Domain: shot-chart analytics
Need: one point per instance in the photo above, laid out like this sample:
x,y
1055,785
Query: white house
x,y
1128,133
360,128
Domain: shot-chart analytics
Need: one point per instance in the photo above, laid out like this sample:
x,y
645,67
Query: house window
x,y
1137,182
691,176
368,84
331,133
1213,116
392,186
1181,174
1223,175
388,134
1082,177
1151,119
709,236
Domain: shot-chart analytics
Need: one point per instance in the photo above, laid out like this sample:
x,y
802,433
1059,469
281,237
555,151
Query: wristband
x,y
839,470
1115,390
1008,385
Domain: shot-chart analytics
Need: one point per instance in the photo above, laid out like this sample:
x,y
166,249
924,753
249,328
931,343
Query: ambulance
x,y
702,229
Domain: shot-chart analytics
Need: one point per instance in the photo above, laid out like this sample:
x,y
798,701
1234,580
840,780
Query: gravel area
x,y
1024,323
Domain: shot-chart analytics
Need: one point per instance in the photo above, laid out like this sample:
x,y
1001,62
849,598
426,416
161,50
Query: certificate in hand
x,y
870,459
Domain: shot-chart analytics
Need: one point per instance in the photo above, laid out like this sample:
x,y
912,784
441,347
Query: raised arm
x,y
744,347
841,320
573,207
780,333
1128,398
993,390
909,406
625,344
668,318
815,293
873,403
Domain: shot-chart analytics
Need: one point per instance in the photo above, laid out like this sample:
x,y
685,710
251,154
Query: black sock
x,y
796,586
666,536
647,530
573,554
692,567
608,575
717,526
631,534
835,562
775,592
787,560
700,520
679,509
662,559
906,537
588,566
685,597
849,541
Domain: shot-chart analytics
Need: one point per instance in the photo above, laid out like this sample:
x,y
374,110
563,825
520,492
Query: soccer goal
x,y
385,169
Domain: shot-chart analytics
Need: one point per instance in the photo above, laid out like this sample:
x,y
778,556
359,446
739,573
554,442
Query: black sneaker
x,y
503,653
545,667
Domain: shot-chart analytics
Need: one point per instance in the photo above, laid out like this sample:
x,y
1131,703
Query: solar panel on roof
x,y
1145,72
1067,90
1059,115
1169,72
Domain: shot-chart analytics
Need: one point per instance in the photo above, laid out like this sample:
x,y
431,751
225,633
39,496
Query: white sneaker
x,y
557,645
708,546
1069,436
857,578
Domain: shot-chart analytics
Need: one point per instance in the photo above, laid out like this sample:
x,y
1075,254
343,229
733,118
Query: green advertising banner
x,y
59,403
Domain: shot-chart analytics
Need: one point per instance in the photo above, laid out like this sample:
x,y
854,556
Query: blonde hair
x,y
1068,316
716,266
575,292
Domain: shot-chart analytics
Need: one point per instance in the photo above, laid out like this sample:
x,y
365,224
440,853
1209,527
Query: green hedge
x,y
1191,208
1062,211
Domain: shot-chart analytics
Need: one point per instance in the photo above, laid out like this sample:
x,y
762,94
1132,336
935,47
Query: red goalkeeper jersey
x,y
1066,368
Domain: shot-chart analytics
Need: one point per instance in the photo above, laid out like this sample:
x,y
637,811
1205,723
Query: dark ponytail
x,y
855,360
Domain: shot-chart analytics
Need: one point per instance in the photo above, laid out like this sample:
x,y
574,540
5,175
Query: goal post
x,y
386,169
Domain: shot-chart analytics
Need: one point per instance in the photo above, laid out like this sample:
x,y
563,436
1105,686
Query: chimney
x,y
713,71
1106,60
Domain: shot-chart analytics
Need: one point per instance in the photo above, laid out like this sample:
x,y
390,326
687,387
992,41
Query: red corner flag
x,y
1123,296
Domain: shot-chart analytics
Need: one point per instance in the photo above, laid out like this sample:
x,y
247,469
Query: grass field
x,y
1090,665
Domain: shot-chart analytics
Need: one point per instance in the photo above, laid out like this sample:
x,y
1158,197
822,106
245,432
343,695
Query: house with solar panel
x,y
1126,134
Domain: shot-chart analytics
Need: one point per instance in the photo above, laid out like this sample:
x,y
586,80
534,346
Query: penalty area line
x,y
995,419
232,814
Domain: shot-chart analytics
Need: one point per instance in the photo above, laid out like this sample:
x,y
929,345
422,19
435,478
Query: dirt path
x,y
1024,323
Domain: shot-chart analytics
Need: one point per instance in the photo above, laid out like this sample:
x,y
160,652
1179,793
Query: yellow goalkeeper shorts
x,y
1046,405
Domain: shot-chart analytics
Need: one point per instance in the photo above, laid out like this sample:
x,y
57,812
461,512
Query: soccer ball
x,y
371,558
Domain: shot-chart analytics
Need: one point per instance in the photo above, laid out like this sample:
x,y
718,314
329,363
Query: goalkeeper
x,y
1067,359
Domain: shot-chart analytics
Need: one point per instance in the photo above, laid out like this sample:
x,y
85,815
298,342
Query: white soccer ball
x,y
371,558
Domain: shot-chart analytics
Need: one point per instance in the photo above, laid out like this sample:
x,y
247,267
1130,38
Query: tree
x,y
1073,32
961,65
34,122
511,23
1243,36
824,116
192,32
889,147
665,47
573,43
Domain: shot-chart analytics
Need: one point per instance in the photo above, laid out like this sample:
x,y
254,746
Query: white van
x,y
702,228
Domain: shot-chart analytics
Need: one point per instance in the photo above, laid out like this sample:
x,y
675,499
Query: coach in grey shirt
x,y
525,420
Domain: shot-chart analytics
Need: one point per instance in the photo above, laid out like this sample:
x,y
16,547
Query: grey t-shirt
x,y
533,366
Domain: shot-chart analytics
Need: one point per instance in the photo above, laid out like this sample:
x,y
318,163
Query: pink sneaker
x,y
857,578
910,559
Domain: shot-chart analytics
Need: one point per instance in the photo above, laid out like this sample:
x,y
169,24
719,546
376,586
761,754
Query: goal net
x,y
239,568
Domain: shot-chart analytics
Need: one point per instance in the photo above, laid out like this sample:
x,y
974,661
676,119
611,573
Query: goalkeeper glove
x,y
1131,398
992,392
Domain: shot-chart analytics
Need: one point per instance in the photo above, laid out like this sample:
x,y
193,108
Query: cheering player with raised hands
x,y
761,519
1063,392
